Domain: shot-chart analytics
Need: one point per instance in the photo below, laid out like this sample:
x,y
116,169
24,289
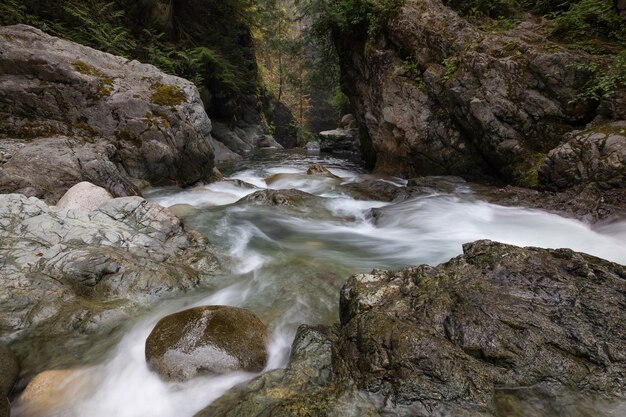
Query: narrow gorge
x,y
312,208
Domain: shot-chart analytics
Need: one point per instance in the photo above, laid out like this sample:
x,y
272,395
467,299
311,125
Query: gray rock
x,y
214,339
84,196
499,331
594,155
348,121
437,95
70,113
313,146
340,140
304,388
71,275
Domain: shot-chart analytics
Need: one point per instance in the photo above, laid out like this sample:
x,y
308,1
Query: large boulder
x,y
436,94
595,155
498,331
69,113
9,370
84,196
70,275
214,339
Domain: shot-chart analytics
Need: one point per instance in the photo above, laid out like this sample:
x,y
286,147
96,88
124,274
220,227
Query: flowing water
x,y
289,263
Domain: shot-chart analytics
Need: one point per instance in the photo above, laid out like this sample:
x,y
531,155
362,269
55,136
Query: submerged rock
x,y
213,339
497,331
70,114
71,275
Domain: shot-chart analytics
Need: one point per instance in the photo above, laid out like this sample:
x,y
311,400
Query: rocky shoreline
x,y
500,331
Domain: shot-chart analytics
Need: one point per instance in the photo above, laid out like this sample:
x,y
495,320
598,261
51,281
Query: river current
x,y
289,263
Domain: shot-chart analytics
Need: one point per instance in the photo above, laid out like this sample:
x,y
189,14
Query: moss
x,y
126,136
104,87
87,69
167,95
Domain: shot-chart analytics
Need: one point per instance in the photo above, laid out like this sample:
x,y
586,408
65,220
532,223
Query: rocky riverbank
x,y
74,273
499,331
438,94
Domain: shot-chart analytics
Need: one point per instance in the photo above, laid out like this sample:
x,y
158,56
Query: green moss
x,y
167,95
104,87
86,69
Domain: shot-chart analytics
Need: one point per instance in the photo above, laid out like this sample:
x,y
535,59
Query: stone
x,y
438,95
9,371
320,170
70,277
596,155
348,121
213,339
84,196
499,331
340,140
50,390
71,114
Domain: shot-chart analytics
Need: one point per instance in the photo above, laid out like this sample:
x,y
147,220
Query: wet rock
x,y
76,114
498,331
374,189
9,370
48,391
596,155
291,198
70,276
84,196
438,95
304,388
319,170
213,339
268,141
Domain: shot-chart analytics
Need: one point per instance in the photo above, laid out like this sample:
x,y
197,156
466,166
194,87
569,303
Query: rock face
x,y
70,275
499,331
69,113
594,155
9,370
213,339
436,95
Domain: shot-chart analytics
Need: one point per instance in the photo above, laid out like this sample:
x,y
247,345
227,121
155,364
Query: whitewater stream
x,y
289,263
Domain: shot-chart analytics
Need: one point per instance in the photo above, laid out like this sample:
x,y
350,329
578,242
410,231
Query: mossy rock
x,y
167,95
214,339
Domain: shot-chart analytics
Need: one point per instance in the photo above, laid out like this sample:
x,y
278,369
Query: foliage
x,y
171,34
451,65
341,102
349,16
589,18
604,82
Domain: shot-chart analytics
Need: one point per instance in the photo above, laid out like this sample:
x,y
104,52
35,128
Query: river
x,y
289,263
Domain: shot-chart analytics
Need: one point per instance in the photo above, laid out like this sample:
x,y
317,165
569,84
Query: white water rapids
x,y
290,264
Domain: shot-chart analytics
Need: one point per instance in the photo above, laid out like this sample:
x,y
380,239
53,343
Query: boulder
x,y
69,276
70,114
595,155
49,391
84,196
348,121
214,339
321,171
499,331
340,140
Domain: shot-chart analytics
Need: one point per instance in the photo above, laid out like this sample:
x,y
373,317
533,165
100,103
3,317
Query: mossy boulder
x,y
213,339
